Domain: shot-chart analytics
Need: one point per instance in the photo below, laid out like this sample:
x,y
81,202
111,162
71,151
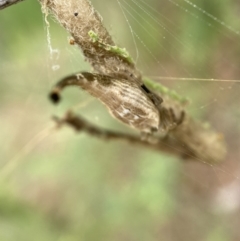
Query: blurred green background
x,y
58,185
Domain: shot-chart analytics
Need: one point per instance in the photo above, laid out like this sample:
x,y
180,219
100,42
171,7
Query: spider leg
x,y
169,120
157,100
181,119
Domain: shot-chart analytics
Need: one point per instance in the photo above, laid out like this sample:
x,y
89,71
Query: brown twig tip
x,y
55,96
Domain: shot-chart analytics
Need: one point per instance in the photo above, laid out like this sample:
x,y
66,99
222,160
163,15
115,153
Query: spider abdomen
x,y
124,99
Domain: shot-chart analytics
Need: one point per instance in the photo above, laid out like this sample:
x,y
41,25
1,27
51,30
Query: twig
x,y
165,144
84,24
7,3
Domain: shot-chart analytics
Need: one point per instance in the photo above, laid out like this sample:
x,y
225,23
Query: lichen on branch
x,y
79,18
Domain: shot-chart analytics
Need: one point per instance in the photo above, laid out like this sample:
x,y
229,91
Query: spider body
x,y
125,99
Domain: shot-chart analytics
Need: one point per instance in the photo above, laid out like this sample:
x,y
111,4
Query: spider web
x,y
199,60
190,46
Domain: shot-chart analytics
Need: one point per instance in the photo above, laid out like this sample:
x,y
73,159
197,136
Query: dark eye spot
x,y
75,14
145,88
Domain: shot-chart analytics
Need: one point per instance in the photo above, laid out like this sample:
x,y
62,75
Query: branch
x,y
85,25
7,3
166,144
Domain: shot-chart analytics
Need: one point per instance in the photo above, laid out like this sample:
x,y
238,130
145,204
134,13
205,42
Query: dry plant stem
x,y
7,3
78,17
168,144
164,144
191,137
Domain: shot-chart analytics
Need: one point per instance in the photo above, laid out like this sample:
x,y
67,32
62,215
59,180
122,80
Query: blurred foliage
x,y
56,185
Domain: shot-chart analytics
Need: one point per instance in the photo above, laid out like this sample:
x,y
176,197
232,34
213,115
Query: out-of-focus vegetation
x,y
56,185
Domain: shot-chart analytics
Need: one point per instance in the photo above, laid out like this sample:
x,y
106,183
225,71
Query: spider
x,y
127,100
